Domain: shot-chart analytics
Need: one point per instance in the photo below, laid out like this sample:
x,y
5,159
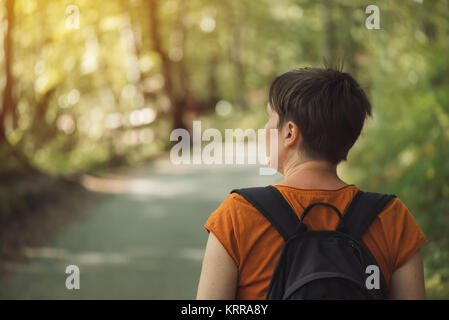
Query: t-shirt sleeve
x,y
224,225
403,233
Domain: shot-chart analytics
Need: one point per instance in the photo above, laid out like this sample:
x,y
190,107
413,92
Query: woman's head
x,y
319,114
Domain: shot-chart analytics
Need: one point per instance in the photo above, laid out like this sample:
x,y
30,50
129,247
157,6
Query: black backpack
x,y
324,264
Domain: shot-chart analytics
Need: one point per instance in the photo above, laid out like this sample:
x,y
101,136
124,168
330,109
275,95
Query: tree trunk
x,y
8,103
176,106
238,65
330,45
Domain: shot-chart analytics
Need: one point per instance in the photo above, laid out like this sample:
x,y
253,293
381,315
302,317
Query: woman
x,y
319,114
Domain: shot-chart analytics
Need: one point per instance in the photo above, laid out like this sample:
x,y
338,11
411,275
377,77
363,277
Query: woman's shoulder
x,y
235,211
236,205
402,231
395,209
232,222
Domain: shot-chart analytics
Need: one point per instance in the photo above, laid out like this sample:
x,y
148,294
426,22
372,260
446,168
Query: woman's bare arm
x,y
407,282
218,280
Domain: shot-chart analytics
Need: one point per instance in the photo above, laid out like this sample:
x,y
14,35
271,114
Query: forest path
x,y
145,240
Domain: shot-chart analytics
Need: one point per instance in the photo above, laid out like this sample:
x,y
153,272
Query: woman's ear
x,y
291,134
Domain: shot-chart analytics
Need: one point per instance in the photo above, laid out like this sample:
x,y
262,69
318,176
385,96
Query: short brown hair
x,y
327,105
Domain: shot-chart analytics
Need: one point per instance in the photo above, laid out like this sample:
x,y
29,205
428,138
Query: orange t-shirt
x,y
255,245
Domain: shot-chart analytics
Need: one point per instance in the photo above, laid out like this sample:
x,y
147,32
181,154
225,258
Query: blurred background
x,y
90,91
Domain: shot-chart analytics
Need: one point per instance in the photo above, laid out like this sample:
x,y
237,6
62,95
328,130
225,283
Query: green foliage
x,y
95,96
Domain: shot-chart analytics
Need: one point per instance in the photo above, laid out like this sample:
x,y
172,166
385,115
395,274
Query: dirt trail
x,y
145,241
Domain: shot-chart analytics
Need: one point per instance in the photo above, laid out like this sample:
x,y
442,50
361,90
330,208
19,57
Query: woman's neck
x,y
312,174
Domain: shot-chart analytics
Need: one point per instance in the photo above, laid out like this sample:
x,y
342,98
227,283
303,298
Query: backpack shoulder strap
x,y
362,211
270,202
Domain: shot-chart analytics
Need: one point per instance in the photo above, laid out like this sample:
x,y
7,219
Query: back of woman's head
x,y
328,106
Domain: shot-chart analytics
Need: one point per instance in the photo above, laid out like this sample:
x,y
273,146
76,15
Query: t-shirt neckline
x,y
316,190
